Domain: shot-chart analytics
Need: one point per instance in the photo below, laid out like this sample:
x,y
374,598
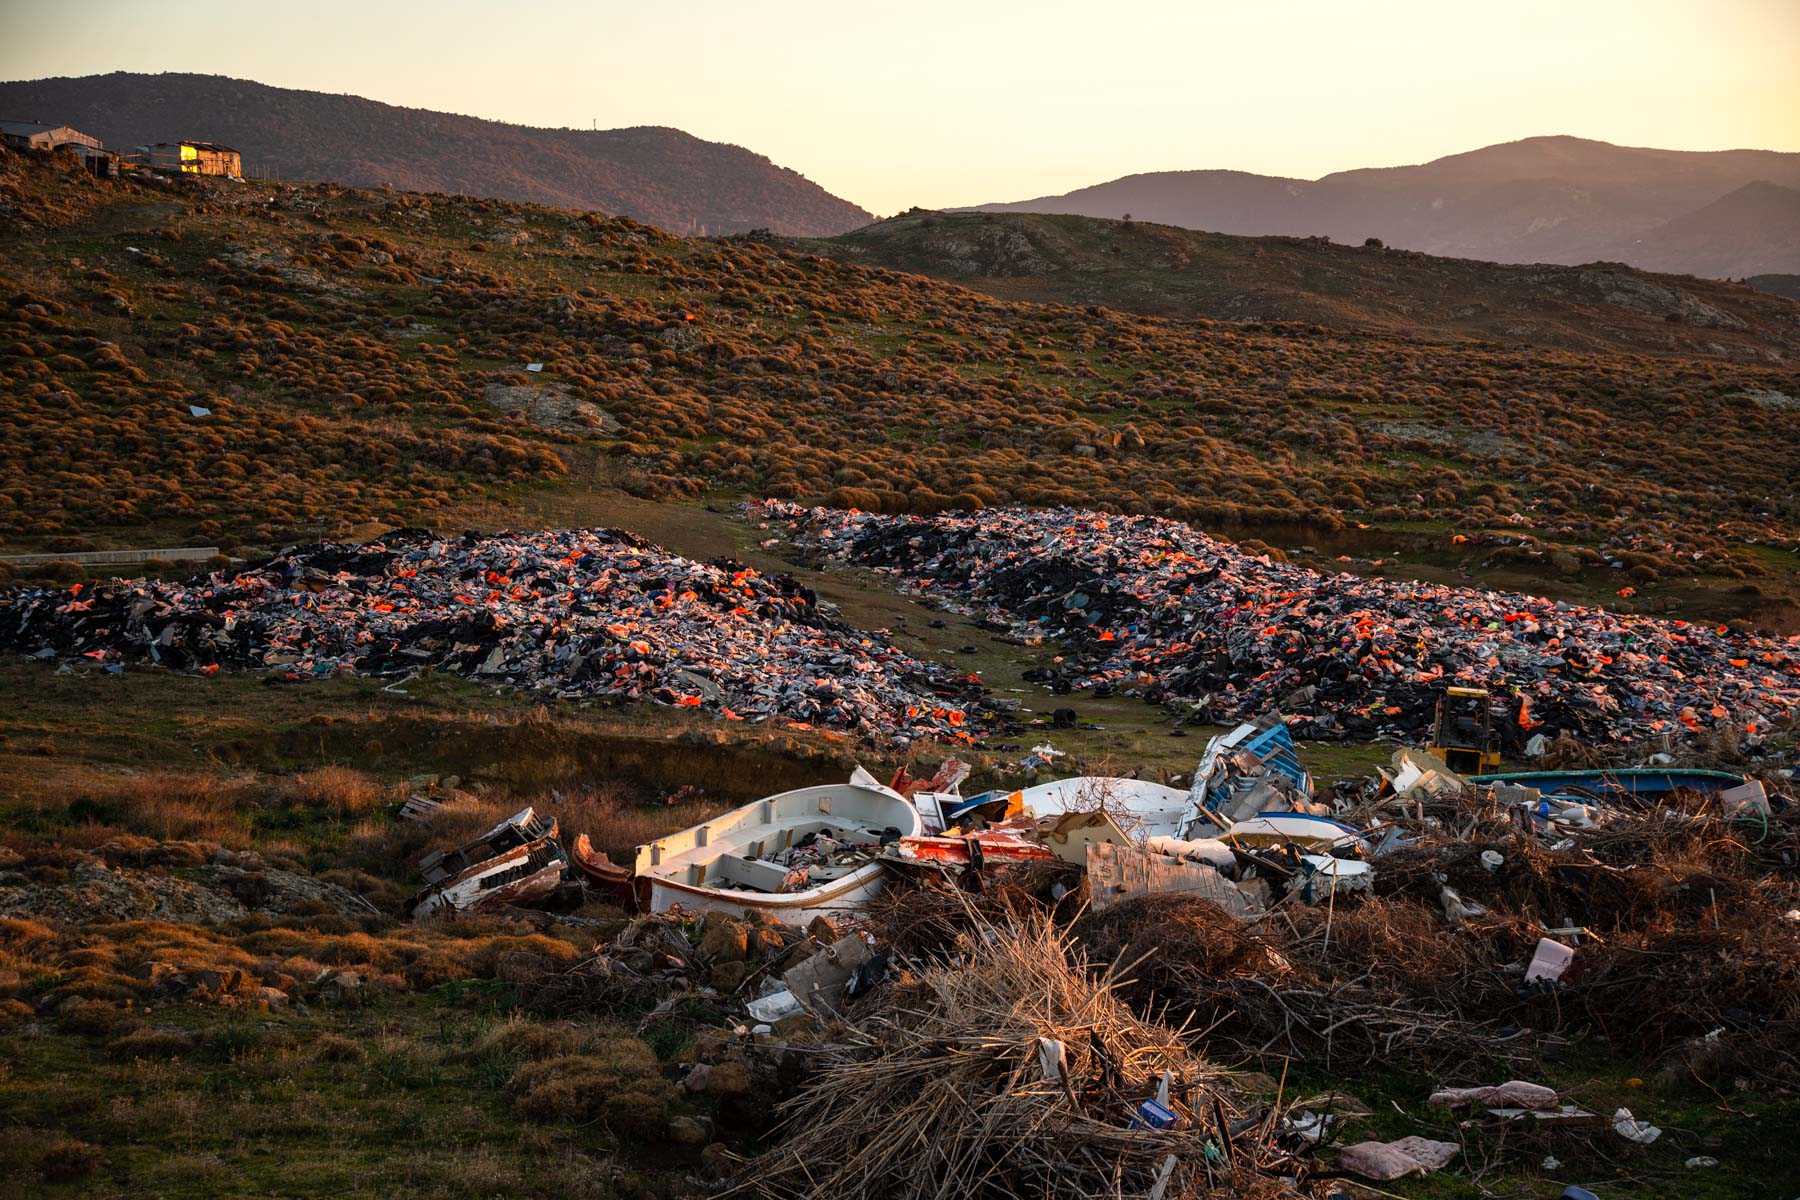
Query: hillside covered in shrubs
x,y
250,365
1166,271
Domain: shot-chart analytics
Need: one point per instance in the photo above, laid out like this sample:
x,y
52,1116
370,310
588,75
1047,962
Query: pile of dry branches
x,y
927,918
1687,903
940,1091
1371,982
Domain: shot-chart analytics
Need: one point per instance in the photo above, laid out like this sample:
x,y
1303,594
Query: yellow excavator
x,y
1462,737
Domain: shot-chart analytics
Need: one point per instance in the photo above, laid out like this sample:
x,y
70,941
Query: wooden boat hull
x,y
519,879
517,862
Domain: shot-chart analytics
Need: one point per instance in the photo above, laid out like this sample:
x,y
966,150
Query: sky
x,y
938,104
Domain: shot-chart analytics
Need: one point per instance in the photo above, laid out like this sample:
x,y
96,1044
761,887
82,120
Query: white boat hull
x,y
728,864
1142,808
798,909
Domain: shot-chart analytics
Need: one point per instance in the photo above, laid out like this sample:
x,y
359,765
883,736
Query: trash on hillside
x,y
418,807
1023,1070
1118,873
599,869
517,862
1456,909
1634,1130
775,1006
1051,1055
997,845
561,614
1148,606
1141,807
936,797
1515,1093
1393,1160
1322,876
1068,835
1321,835
1153,1115
1548,961
1745,797
1416,773
821,981
1251,770
1563,1116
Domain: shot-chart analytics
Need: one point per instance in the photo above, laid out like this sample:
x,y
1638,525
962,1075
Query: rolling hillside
x,y
255,365
664,177
1547,199
1754,230
1776,285
1161,270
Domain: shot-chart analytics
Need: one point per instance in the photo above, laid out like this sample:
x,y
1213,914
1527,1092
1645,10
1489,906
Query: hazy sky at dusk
x,y
940,103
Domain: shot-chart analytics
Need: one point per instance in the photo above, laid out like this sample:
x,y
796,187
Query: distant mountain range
x,y
1726,213
1162,270
661,176
1720,214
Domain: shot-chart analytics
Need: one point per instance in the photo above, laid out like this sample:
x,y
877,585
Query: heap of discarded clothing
x,y
1150,607
562,613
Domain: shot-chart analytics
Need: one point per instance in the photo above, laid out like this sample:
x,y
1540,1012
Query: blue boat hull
x,y
1620,785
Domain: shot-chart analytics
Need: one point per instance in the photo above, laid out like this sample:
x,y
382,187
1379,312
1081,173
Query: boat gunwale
x,y
870,872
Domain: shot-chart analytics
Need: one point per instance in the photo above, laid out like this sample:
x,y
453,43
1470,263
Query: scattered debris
x,y
1148,606
517,862
1392,1160
1633,1130
1515,1094
1117,873
1548,961
821,981
567,614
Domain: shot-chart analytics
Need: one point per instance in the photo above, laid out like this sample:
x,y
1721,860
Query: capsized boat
x,y
793,856
519,861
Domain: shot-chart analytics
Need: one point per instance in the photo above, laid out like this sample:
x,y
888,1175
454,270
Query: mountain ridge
x,y
1555,199
656,174
1754,230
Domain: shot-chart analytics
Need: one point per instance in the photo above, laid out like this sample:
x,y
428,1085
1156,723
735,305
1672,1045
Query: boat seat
x,y
746,872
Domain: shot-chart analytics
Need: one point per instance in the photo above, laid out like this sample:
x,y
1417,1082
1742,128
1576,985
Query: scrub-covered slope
x,y
1165,271
256,365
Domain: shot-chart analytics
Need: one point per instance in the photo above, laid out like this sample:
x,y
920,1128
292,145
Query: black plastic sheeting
x,y
1148,606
